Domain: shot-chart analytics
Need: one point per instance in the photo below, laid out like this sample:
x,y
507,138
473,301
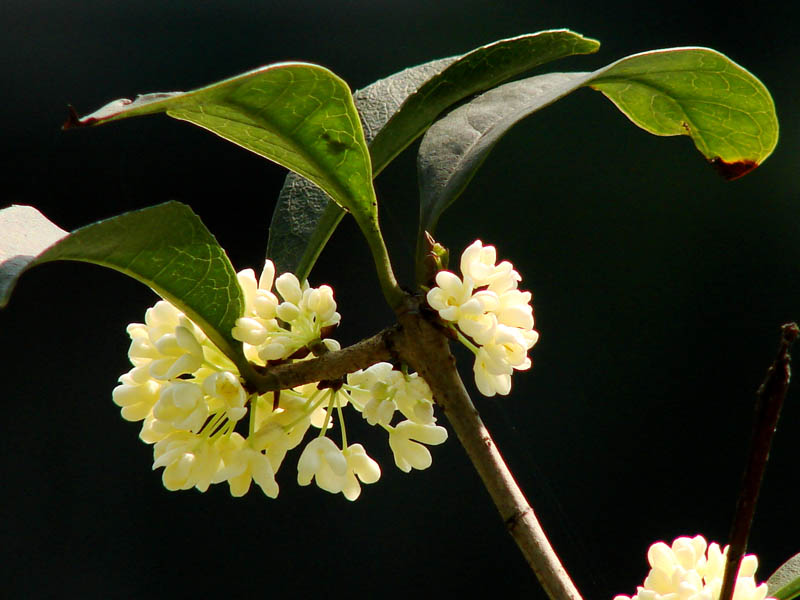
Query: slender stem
x,y
251,426
330,366
328,414
769,400
426,349
423,345
463,339
341,420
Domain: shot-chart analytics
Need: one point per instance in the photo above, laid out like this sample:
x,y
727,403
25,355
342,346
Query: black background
x,y
658,287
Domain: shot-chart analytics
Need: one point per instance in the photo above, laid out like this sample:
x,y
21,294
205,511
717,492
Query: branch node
x,y
517,518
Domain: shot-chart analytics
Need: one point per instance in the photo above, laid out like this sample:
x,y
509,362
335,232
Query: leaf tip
x,y
733,170
73,120
109,111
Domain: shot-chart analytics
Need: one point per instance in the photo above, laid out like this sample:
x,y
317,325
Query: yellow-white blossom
x,y
336,470
241,464
491,316
380,390
189,460
225,392
691,569
195,406
137,394
275,327
406,441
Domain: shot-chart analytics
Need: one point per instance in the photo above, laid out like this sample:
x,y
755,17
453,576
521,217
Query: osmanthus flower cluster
x,y
488,314
691,569
205,426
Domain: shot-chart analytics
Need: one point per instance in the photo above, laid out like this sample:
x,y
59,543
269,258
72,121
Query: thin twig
x,y
769,400
332,365
426,349
424,346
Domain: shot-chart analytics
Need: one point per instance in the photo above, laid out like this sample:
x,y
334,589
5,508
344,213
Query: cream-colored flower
x,y
167,343
336,470
189,460
477,262
490,311
449,295
136,394
225,393
373,392
406,441
181,406
274,328
241,464
691,569
491,376
380,390
323,461
414,399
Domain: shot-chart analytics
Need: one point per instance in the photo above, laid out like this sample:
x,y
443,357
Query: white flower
x,y
690,569
359,467
406,441
487,307
373,392
477,262
181,406
168,343
224,386
336,470
243,464
449,295
289,288
136,394
414,399
273,328
515,310
191,396
491,377
189,460
280,430
380,390
322,460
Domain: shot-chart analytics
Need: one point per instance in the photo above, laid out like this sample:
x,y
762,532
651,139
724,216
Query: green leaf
x,y
394,112
304,217
784,584
481,69
455,146
299,115
166,247
697,92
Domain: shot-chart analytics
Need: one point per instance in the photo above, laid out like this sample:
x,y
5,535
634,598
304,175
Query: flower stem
x,y
463,339
328,413
252,424
341,420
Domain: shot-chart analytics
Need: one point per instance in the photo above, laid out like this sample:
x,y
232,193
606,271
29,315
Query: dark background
x,y
659,289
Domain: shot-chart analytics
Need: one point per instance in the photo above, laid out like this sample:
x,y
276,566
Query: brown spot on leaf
x,y
334,145
686,127
733,170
